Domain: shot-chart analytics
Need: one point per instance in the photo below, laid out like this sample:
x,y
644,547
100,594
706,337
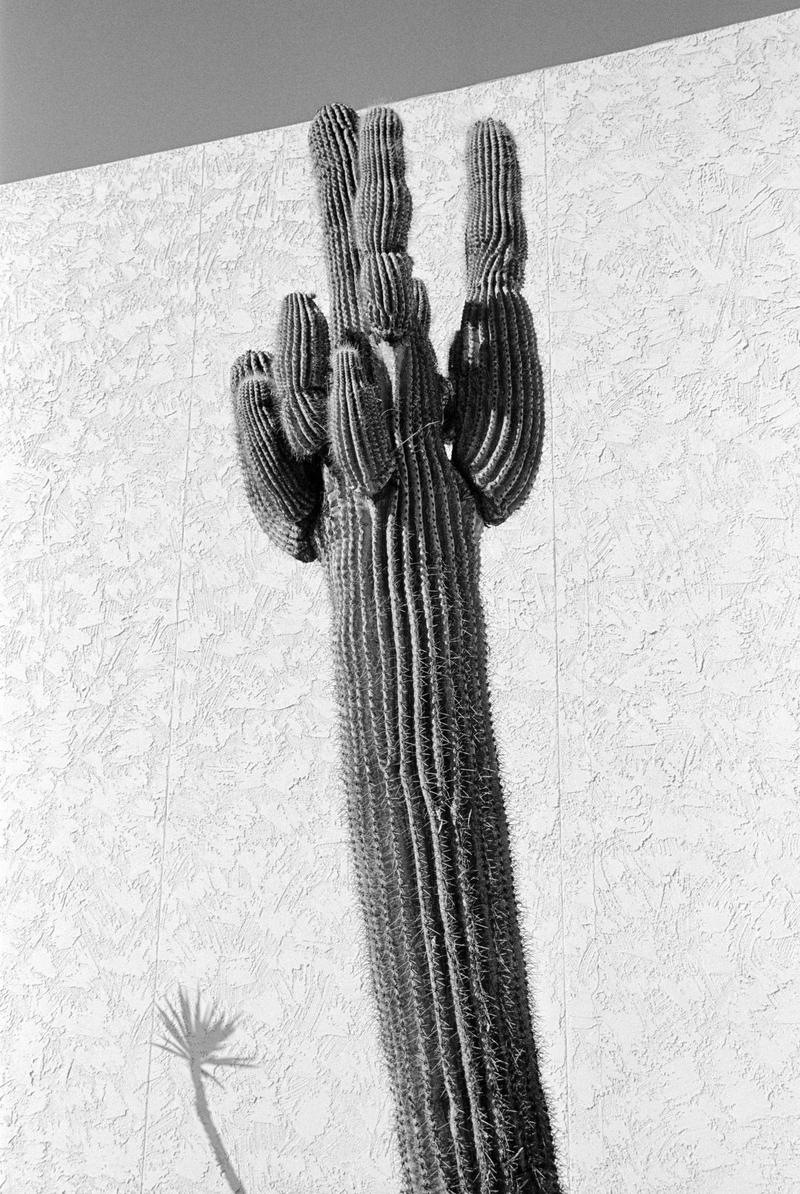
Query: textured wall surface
x,y
171,800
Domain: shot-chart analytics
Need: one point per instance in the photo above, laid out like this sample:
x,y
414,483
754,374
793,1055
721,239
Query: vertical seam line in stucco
x,y
555,621
168,771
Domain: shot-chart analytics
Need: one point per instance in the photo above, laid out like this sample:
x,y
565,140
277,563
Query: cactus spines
x,y
344,456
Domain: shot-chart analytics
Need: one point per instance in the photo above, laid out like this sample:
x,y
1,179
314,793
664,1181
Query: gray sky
x,y
87,81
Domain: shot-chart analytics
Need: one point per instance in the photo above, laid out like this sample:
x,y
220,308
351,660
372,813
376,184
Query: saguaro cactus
x,y
343,443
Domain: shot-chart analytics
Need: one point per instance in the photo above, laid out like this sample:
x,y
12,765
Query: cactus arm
x,y
360,405
383,217
494,366
283,493
301,365
421,307
333,143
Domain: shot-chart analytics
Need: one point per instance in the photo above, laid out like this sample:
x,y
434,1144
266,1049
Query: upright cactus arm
x,y
302,364
498,409
395,305
359,410
284,493
360,396
333,142
383,219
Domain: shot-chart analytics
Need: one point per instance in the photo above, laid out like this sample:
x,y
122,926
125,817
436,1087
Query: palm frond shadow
x,y
199,1039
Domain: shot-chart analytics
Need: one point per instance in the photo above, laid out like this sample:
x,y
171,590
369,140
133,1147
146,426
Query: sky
x,y
89,81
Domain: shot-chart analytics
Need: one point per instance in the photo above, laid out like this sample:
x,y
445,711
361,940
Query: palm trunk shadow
x,y
198,1039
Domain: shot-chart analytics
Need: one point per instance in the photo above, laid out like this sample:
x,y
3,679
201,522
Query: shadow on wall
x,y
199,1039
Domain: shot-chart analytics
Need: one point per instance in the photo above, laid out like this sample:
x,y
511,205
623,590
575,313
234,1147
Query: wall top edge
x,y
684,40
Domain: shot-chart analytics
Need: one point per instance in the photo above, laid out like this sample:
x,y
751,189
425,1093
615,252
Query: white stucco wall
x,y
172,809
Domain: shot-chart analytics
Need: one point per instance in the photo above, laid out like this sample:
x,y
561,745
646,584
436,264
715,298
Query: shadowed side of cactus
x,y
344,455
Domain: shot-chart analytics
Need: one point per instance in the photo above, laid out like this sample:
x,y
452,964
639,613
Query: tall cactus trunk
x,y
344,460
428,828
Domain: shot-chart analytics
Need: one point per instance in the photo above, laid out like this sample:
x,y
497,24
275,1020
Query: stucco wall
x,y
172,808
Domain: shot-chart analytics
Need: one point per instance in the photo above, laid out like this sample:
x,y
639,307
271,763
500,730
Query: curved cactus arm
x,y
498,411
284,493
